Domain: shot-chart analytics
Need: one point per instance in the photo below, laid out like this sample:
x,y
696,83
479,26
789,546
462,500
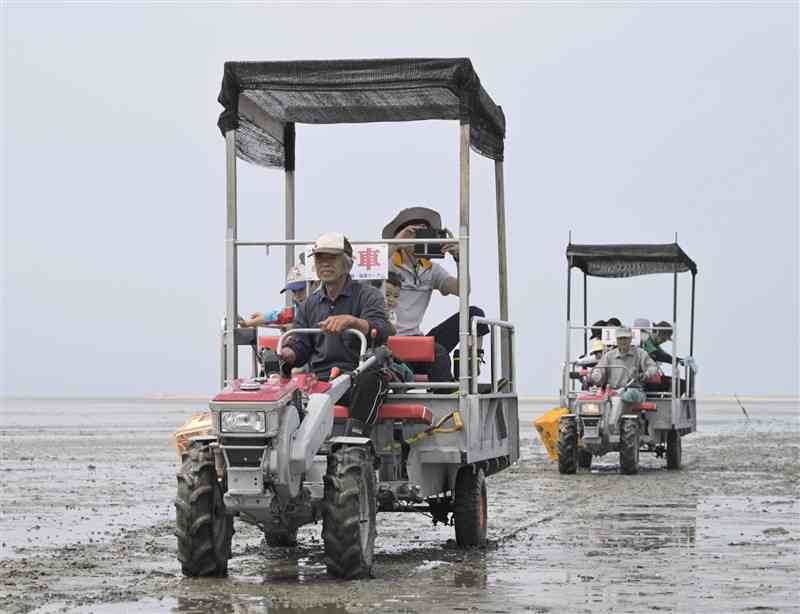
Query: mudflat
x,y
86,525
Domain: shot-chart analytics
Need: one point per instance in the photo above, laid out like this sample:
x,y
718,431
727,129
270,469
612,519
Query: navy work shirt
x,y
324,351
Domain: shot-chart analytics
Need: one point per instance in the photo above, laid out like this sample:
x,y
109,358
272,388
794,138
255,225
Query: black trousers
x,y
445,337
365,397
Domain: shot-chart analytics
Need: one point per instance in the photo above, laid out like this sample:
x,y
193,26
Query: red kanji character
x,y
368,258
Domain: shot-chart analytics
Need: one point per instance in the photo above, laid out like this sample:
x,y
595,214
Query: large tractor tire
x,y
584,459
203,528
629,446
674,451
348,524
567,445
470,510
281,538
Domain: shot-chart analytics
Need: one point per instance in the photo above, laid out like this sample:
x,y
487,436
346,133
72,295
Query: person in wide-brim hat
x,y
413,216
419,277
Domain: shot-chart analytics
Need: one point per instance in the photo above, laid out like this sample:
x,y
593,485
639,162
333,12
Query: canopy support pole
x,y
231,265
691,324
565,378
502,263
585,321
288,145
675,374
463,268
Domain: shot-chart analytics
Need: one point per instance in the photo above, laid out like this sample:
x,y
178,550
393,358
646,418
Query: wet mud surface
x,y
86,522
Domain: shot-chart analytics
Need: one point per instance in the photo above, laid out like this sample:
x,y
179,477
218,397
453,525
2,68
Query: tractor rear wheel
x,y
470,513
202,526
584,459
629,446
568,445
673,450
348,525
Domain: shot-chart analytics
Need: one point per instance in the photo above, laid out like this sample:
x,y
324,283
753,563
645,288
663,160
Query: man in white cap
x,y
338,304
419,277
621,365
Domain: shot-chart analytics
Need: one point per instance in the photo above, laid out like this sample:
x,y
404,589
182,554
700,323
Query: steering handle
x,y
316,331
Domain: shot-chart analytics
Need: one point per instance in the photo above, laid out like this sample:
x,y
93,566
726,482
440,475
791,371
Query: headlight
x,y
590,408
243,422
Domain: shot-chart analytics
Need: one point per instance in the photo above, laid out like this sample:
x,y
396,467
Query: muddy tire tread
x,y
348,466
198,551
674,450
470,489
568,446
629,447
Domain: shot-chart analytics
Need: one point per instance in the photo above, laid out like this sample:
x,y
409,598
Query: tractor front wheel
x,y
348,525
629,446
203,528
568,445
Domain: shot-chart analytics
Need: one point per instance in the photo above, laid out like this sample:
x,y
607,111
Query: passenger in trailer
x,y
653,347
296,284
338,304
419,277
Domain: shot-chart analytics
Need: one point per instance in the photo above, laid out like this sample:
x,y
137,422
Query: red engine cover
x,y
267,392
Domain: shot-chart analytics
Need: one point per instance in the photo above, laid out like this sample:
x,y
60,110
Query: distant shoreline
x,y
188,398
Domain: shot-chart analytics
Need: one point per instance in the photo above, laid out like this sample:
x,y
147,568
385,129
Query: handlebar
x,y
315,331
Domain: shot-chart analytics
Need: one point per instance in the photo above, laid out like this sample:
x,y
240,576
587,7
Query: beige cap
x,y
332,243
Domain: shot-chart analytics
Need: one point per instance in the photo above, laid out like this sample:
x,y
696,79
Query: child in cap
x,y
296,284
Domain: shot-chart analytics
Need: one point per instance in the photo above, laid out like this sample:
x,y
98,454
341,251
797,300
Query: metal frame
x,y
467,337
676,399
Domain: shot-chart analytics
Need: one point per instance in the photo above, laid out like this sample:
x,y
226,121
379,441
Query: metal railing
x,y
506,354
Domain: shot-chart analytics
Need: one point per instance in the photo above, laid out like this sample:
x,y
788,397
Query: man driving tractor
x,y
627,367
338,304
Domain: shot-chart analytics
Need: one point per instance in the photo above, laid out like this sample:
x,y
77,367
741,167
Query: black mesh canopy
x,y
263,100
629,260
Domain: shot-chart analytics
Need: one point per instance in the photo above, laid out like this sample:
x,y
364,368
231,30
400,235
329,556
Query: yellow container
x,y
198,424
547,427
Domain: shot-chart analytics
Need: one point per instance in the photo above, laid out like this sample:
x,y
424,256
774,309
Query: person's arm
x,y
660,355
297,348
255,319
598,375
373,313
648,366
443,281
409,232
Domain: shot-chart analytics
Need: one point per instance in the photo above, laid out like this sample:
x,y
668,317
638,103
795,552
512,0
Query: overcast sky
x,y
626,123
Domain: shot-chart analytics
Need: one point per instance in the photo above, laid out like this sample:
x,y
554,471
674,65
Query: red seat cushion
x,y
407,412
341,411
268,341
646,406
412,349
420,377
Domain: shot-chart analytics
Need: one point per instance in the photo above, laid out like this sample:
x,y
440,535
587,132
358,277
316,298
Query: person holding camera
x,y
419,277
